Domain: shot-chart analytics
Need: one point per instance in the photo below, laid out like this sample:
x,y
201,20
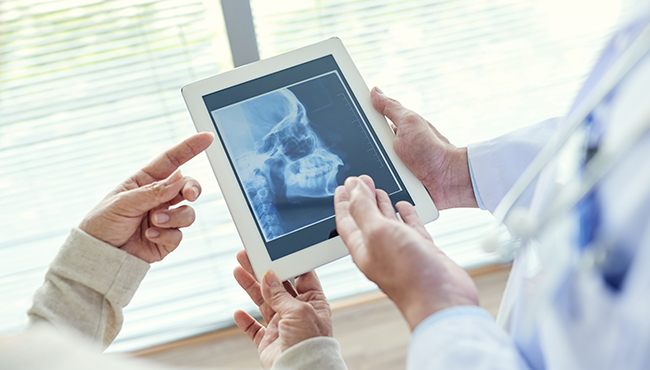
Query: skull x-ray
x,y
279,157
290,148
290,154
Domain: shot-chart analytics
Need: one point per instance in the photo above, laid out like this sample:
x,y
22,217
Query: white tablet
x,y
289,130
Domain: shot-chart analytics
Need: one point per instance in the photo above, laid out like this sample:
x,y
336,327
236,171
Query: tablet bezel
x,y
329,250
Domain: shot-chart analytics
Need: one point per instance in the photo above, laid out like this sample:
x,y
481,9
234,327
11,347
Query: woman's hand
x,y
137,216
293,315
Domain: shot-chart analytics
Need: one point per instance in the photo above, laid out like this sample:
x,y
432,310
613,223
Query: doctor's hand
x,y
137,216
292,315
438,164
400,257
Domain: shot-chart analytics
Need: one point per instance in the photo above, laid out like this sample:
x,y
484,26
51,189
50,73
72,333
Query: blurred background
x,y
90,92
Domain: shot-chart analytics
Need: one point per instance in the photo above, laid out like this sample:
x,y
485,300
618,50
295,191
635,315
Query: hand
x,y
438,164
293,315
400,257
136,217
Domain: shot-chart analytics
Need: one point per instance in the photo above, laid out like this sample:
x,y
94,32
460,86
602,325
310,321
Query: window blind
x,y
89,92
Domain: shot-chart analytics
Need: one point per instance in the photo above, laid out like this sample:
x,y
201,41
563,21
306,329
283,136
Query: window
x,y
89,92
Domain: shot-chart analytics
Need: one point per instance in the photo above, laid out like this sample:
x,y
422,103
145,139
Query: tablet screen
x,y
291,138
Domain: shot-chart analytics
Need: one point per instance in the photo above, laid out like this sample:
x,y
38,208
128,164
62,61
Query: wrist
x,y
459,191
449,287
417,311
91,227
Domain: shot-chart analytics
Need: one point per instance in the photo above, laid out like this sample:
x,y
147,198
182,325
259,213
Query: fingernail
x,y
196,191
152,233
161,218
379,90
174,177
272,279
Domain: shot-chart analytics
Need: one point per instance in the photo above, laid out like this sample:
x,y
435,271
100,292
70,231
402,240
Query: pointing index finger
x,y
169,161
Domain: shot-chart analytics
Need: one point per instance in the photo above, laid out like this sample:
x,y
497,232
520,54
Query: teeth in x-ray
x,y
263,204
312,176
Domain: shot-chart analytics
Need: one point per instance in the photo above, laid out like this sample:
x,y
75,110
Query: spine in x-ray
x,y
264,205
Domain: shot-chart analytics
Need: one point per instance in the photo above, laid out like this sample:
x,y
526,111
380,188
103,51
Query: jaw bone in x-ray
x,y
289,161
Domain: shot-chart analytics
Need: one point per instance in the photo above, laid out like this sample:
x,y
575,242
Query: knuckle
x,y
120,202
266,311
253,293
305,310
277,295
190,149
155,190
392,103
173,160
116,200
408,116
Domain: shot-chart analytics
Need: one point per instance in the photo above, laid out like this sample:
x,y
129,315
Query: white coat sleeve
x,y
497,163
464,337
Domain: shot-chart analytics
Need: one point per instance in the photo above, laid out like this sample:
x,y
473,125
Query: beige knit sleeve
x,y
312,354
87,286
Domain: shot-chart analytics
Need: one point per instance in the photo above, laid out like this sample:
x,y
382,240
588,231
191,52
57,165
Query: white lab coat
x,y
554,314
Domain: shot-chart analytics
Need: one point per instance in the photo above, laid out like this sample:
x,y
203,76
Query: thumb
x,y
387,106
276,296
145,198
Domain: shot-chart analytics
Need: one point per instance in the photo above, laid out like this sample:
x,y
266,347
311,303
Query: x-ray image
x,y
293,146
279,158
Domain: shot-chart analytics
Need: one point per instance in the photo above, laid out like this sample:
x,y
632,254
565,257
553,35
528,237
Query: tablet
x,y
289,130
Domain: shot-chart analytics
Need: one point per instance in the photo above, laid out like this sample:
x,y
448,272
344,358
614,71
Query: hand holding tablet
x,y
291,129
